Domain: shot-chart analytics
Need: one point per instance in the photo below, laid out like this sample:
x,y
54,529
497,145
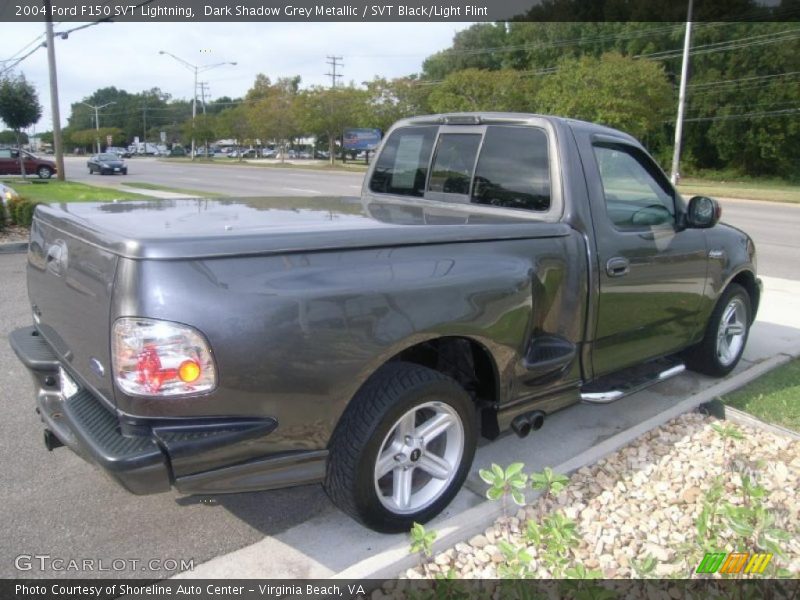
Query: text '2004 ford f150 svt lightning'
x,y
497,267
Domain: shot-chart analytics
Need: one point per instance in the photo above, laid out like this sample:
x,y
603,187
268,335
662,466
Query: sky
x,y
126,55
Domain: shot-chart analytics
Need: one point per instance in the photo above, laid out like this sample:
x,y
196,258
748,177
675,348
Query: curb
x,y
14,248
742,418
388,564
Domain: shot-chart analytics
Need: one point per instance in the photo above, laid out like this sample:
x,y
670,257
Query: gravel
x,y
645,499
13,233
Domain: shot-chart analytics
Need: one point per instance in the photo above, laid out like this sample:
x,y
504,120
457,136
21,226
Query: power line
x,y
333,61
750,115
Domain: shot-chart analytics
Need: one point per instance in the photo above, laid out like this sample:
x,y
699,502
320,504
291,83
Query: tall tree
x,y
328,111
19,108
479,90
273,114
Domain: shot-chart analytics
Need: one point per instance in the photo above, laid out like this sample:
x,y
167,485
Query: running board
x,y
618,385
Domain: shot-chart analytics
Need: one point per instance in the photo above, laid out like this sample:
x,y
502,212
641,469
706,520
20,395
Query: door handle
x,y
617,267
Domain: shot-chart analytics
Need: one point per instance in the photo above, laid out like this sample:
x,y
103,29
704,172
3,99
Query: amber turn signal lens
x,y
189,371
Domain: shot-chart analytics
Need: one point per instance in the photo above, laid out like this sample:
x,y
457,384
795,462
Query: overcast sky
x,y
125,55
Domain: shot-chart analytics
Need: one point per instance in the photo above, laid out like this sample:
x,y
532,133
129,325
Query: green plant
x,y
729,434
554,536
505,482
422,544
517,561
551,484
25,212
581,572
645,567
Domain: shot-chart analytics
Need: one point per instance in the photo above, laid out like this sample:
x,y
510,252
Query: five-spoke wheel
x,y
402,448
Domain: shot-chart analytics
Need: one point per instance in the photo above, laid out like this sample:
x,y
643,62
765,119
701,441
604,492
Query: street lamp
x,y
97,121
195,69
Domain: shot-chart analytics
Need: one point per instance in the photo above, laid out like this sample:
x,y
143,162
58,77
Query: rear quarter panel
x,y
296,335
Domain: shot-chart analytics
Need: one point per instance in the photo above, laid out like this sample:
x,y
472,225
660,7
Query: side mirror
x,y
703,212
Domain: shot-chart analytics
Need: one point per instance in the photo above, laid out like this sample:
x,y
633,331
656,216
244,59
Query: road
x,y
228,179
773,226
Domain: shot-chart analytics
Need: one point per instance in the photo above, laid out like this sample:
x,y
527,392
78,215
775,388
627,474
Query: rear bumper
x,y
161,454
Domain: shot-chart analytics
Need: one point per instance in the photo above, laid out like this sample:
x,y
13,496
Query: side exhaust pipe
x,y
51,441
523,424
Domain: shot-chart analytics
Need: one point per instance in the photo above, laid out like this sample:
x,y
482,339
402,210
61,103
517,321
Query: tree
x,y
478,90
632,95
389,100
273,113
327,111
235,123
19,108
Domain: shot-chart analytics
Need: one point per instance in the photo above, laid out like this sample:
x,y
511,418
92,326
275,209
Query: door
x,y
652,272
6,162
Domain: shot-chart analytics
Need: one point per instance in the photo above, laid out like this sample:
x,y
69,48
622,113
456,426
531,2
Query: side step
x,y
622,383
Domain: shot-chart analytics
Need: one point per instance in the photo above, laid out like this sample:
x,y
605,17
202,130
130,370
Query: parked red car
x,y
9,164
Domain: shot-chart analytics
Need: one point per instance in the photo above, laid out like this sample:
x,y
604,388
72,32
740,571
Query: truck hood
x,y
199,228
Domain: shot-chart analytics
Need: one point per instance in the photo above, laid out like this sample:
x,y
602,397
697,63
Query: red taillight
x,y
160,358
152,375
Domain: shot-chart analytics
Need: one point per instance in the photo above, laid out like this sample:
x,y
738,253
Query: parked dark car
x,y
107,164
9,164
497,268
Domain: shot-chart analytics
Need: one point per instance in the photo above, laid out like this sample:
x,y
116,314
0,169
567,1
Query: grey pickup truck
x,y
496,268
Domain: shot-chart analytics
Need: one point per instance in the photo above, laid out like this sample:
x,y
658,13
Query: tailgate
x,y
69,286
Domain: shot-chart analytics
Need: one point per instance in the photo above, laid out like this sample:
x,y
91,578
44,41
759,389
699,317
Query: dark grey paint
x,y
302,300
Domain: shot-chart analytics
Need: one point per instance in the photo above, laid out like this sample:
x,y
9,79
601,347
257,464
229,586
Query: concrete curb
x,y
14,248
742,418
388,564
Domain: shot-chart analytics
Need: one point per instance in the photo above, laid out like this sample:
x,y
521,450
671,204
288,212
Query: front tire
x,y
726,334
402,448
44,172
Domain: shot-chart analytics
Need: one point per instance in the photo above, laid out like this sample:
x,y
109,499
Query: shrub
x,y
22,211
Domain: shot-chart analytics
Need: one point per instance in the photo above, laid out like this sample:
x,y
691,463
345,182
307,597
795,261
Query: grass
x,y
750,189
163,188
774,397
68,191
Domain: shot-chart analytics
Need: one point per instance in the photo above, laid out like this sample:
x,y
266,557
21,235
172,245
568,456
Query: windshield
x,y
108,157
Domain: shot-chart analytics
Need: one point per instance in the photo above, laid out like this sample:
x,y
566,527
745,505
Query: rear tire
x,y
726,334
402,448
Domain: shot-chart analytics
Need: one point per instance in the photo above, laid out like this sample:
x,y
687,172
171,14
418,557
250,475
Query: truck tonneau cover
x,y
203,228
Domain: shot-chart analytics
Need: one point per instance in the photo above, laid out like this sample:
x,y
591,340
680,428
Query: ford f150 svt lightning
x,y
496,268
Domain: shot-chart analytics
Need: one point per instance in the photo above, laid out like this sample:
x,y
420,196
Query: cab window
x,y
453,163
514,169
636,193
402,166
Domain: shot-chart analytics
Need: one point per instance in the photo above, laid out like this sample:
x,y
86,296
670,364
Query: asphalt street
x,y
55,504
773,226
228,178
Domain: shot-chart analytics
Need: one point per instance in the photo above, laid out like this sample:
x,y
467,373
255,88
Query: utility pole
x,y
203,89
333,61
144,124
676,152
97,121
195,69
51,65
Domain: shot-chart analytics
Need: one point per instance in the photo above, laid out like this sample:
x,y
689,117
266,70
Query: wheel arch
x,y
468,361
747,279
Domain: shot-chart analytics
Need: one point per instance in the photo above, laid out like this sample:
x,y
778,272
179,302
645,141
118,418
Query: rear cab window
x,y
502,166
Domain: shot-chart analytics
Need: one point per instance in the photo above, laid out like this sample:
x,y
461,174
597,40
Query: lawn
x,y
68,191
774,397
761,189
